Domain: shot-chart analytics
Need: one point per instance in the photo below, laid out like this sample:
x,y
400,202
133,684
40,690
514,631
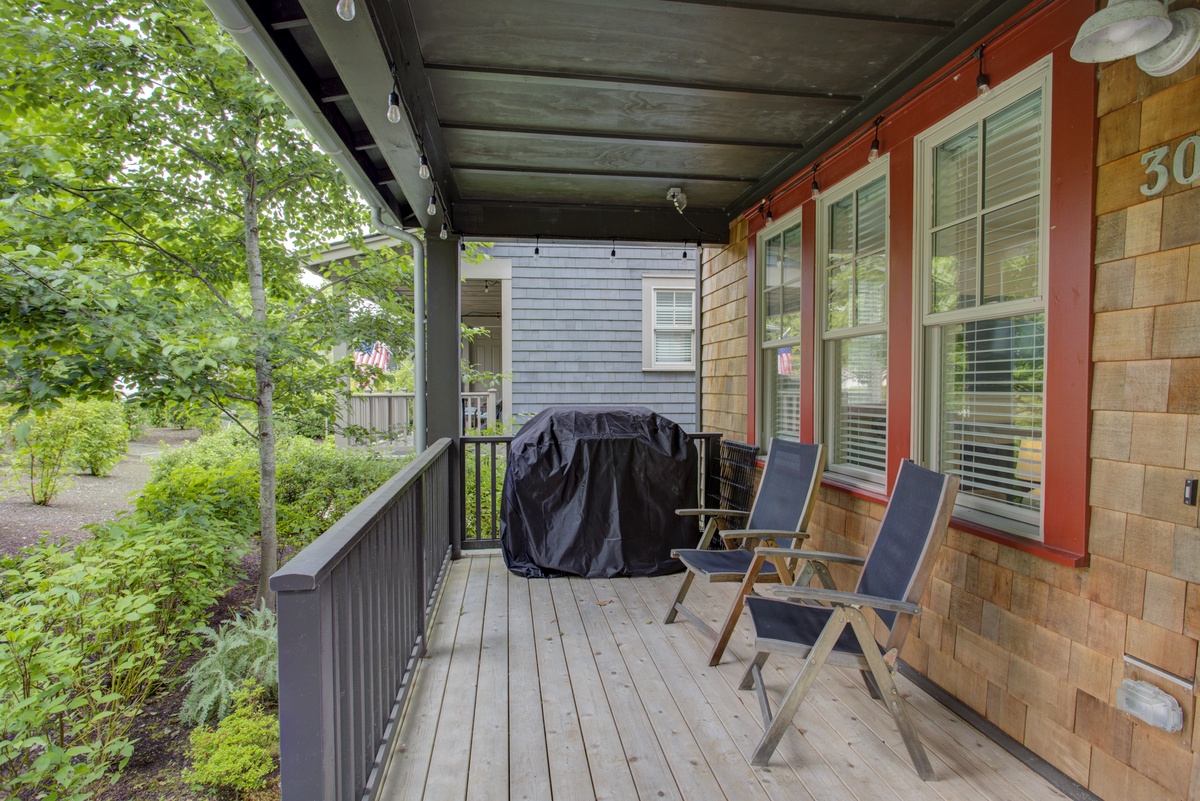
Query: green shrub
x,y
100,435
244,649
241,752
41,453
89,633
489,505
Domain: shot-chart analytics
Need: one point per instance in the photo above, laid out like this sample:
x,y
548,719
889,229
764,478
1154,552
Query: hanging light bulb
x,y
537,247
612,256
445,232
345,9
462,246
684,256
770,215
393,112
423,169
982,83
816,189
874,154
432,207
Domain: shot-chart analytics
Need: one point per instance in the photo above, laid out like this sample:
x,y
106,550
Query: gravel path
x,y
89,499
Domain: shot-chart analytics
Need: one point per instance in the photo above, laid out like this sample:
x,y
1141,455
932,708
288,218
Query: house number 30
x,y
1160,176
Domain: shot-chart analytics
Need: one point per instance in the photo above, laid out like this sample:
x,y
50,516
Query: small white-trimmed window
x,y
853,266
668,322
981,241
779,268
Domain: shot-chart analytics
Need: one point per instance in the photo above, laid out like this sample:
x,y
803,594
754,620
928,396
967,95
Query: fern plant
x,y
244,648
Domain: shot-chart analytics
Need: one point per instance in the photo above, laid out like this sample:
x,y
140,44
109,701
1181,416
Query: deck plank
x,y
574,689
570,776
529,766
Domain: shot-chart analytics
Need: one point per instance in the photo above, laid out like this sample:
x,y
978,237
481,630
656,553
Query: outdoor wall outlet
x,y
1189,491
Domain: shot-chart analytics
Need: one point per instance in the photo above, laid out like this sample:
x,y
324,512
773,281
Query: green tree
x,y
157,203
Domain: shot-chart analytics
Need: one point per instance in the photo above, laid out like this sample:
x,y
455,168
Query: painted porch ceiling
x,y
572,118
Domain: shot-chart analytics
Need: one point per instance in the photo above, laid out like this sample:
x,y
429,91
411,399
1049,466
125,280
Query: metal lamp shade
x,y
1125,28
1178,48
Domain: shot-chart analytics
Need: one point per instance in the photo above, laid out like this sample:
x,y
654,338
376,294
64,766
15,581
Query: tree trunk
x,y
265,397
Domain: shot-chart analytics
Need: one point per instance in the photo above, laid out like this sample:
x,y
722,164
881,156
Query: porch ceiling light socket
x,y
1162,42
678,198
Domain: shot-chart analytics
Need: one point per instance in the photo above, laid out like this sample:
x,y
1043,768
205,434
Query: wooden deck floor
x,y
572,689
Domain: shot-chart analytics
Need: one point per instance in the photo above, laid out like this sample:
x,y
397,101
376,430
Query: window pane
x,y
771,267
772,320
956,177
1012,151
990,418
791,255
792,306
673,307
870,289
841,230
783,394
860,403
872,217
1010,252
672,347
838,288
954,256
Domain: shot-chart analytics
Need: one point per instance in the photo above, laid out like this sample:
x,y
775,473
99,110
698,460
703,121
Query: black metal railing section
x,y
486,458
353,609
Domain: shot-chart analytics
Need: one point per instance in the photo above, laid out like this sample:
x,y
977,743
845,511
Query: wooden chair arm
x,y
713,512
761,533
815,556
838,598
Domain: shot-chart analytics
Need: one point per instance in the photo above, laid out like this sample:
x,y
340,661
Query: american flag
x,y
376,355
785,361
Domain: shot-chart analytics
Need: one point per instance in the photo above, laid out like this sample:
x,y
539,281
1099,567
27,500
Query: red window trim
x,y
1068,292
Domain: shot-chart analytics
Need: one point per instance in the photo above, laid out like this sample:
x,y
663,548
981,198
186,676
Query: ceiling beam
x,y
611,136
855,16
332,90
622,174
644,224
922,65
677,87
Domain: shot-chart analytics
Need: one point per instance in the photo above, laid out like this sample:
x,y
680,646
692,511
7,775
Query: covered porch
x,y
572,689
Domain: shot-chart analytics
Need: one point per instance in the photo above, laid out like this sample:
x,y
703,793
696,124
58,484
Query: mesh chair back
x,y
736,480
792,468
910,536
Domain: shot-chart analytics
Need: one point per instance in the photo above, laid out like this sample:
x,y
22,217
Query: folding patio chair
x,y
893,577
781,511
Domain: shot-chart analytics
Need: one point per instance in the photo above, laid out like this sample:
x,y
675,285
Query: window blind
x,y
860,413
673,326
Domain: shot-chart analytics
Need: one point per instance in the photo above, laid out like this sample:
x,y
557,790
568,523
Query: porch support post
x,y
443,352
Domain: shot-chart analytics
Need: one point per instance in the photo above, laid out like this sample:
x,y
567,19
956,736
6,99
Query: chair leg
x,y
735,611
800,687
872,687
760,659
679,596
891,695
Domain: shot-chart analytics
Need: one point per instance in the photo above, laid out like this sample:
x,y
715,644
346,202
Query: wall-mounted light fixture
x,y
1163,42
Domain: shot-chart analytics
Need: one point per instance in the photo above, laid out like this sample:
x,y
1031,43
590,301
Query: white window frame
x,y
651,286
768,349
926,429
825,400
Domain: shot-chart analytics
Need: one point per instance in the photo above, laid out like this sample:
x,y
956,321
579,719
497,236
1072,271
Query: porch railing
x,y
483,465
389,415
354,607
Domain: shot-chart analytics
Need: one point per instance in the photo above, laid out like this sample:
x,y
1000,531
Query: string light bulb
x,y
345,9
537,247
462,246
982,83
393,112
684,257
612,256
770,214
874,154
445,232
816,187
423,168
431,209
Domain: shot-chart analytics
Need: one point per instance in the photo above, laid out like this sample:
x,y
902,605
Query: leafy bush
x,y
241,752
90,633
41,453
100,435
244,649
218,474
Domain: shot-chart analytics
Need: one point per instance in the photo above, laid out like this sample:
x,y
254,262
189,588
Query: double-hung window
x,y
982,229
669,322
852,256
781,303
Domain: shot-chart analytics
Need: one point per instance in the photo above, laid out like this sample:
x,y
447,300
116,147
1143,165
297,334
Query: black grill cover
x,y
593,492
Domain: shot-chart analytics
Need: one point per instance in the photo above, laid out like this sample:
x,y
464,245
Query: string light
x,y
982,83
612,257
770,216
537,247
462,246
423,168
684,257
874,154
431,209
393,112
816,187
345,9
445,232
